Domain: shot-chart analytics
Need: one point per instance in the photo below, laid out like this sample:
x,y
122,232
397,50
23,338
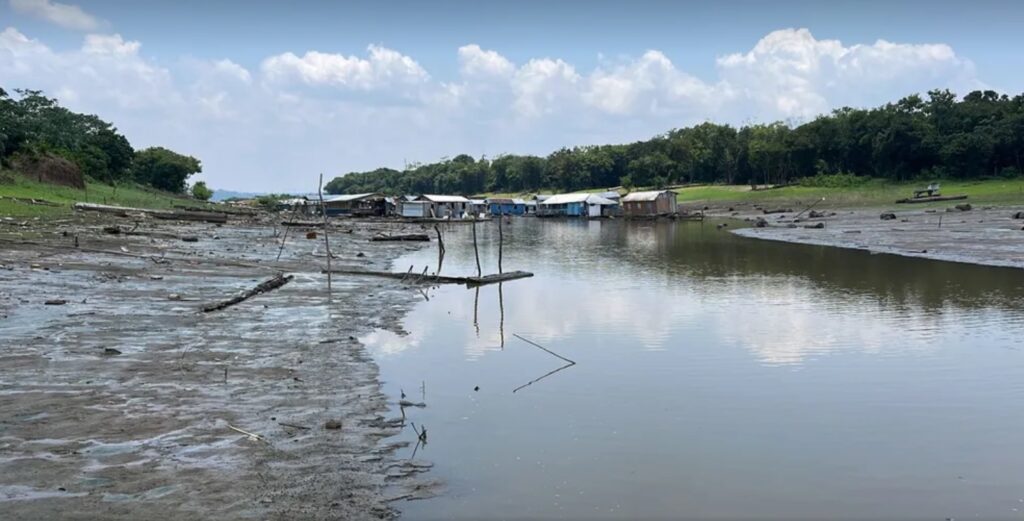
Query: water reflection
x,y
717,377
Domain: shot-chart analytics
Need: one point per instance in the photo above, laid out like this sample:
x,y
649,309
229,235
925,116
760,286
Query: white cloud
x,y
543,85
790,73
476,62
383,68
64,15
649,84
337,113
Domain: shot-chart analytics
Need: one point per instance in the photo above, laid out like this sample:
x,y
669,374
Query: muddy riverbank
x,y
117,399
988,236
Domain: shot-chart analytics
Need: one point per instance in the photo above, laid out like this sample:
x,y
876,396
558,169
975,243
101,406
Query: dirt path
x,y
988,236
117,404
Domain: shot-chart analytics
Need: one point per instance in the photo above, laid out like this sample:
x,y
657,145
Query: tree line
x,y
938,137
33,126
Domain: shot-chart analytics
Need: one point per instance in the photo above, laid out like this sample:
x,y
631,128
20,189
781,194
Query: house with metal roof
x,y
438,206
501,206
576,205
368,204
650,203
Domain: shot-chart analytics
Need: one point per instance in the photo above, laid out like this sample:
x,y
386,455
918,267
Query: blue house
x,y
506,206
576,205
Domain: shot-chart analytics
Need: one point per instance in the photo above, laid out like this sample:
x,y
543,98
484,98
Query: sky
x,y
268,95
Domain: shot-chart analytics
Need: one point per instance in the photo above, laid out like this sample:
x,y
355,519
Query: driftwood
x,y
268,285
415,237
181,215
933,199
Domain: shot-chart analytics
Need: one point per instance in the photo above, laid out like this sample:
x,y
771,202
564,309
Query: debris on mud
x,y
135,386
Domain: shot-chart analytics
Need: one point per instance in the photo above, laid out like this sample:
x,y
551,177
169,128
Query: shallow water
x,y
716,377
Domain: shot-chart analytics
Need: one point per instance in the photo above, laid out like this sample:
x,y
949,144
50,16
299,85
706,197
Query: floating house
x,y
498,206
298,205
414,208
362,205
576,205
437,206
650,204
477,208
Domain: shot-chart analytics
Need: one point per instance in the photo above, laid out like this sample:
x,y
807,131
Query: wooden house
x,y
649,204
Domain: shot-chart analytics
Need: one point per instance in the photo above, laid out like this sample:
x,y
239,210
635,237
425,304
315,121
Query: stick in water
x,y
544,348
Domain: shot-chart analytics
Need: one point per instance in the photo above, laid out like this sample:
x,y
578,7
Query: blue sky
x,y
269,94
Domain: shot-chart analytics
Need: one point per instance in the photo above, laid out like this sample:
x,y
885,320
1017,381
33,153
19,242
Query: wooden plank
x,y
497,277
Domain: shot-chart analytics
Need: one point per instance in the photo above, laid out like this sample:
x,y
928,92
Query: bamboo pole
x,y
501,240
327,241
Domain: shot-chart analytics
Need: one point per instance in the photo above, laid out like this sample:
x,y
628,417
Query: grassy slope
x,y
24,188
872,194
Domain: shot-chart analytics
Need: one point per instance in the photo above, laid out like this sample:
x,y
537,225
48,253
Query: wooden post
x,y
476,307
476,250
501,310
327,241
440,250
501,240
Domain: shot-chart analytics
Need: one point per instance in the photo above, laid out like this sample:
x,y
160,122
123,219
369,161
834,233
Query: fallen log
x,y
935,198
180,215
226,211
417,237
268,285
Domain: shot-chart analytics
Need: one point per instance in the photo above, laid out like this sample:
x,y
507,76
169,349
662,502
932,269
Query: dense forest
x,y
35,129
981,135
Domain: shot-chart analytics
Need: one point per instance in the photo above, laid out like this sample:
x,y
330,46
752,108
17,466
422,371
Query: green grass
x,y
870,194
14,185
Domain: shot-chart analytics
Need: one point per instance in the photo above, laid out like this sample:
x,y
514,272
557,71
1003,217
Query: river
x,y
716,376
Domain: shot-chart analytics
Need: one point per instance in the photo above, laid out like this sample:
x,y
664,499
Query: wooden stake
x,y
476,307
501,310
440,250
501,240
327,241
476,250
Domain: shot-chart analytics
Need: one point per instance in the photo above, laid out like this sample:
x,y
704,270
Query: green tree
x,y
164,169
201,192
